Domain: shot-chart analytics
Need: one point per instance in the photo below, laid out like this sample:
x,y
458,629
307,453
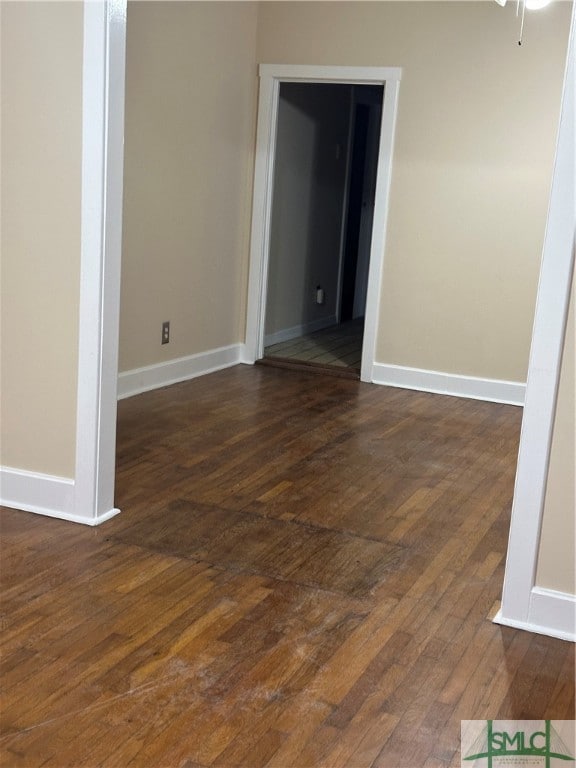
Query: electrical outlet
x,y
166,332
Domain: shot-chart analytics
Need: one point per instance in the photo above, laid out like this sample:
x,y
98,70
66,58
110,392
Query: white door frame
x,y
271,76
103,100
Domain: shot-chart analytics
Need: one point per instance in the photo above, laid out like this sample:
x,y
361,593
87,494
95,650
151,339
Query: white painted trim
x,y
287,334
556,610
261,215
492,390
43,495
101,230
379,227
173,371
36,492
330,74
518,602
551,613
245,355
270,77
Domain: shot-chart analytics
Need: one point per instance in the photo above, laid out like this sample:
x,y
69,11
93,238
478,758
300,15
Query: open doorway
x,y
326,158
323,295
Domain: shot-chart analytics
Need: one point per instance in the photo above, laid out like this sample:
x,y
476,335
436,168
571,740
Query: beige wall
x,y
191,83
557,555
41,90
472,166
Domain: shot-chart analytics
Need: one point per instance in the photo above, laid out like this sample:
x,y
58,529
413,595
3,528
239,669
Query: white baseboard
x,y
287,334
493,390
43,495
172,371
551,613
245,356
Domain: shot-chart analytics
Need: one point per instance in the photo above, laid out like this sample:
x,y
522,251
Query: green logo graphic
x,y
545,744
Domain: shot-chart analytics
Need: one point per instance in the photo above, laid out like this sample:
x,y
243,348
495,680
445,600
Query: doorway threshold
x,y
310,367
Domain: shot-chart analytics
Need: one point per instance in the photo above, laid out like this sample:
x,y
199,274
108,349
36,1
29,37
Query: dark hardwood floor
x,y
303,574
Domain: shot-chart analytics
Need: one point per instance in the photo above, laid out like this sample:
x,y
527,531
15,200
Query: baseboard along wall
x,y
491,390
150,377
41,494
551,613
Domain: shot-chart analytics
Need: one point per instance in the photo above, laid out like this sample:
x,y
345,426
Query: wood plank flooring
x,y
303,575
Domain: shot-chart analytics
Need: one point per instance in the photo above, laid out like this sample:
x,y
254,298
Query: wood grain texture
x,y
302,575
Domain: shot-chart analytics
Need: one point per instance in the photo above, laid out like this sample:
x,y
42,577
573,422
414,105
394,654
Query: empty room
x,y
287,384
